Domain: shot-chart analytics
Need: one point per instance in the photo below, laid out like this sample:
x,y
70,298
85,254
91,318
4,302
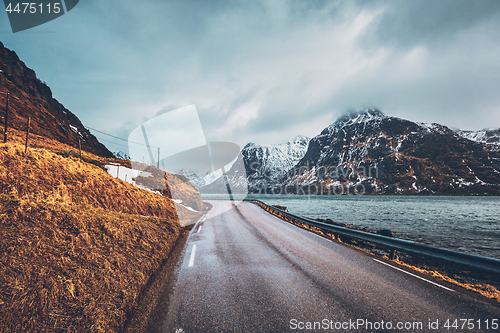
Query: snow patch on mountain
x,y
361,120
434,127
487,135
189,174
121,155
268,163
358,117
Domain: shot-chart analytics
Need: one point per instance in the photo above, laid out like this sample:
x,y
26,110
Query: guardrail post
x,y
393,254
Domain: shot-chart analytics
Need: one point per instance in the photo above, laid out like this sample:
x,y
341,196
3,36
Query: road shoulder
x,y
151,310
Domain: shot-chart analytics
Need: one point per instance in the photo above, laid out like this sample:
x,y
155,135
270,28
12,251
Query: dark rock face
x,y
31,97
489,136
370,153
385,232
264,166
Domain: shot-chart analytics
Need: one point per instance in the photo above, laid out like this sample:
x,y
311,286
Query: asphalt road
x,y
247,271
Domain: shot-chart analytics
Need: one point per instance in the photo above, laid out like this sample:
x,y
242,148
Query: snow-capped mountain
x,y
265,165
369,152
189,174
122,155
490,136
200,181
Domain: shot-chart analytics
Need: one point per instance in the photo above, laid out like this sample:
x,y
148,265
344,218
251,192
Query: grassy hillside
x,y
30,97
77,245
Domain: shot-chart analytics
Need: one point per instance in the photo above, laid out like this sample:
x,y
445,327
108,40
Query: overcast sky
x,y
266,71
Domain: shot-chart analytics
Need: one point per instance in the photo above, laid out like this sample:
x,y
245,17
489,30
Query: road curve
x,y
245,270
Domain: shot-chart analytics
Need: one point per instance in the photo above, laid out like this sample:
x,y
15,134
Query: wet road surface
x,y
245,270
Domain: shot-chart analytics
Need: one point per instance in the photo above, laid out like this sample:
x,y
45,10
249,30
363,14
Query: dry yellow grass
x,y
37,141
77,245
42,175
481,288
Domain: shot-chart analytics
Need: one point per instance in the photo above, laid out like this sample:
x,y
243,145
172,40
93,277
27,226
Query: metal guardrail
x,y
490,265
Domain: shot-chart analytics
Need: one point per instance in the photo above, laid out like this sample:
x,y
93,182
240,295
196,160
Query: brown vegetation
x,y
171,185
30,97
77,245
37,142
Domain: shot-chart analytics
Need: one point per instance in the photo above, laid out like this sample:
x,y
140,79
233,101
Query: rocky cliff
x,y
369,152
264,166
489,136
30,97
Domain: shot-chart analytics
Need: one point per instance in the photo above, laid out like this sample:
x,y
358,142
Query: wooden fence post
x,y
6,119
27,135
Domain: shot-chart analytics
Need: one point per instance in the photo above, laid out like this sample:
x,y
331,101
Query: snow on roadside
x,y
128,175
179,202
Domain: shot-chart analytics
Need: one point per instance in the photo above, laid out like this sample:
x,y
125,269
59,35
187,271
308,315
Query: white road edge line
x,y
418,277
199,228
191,260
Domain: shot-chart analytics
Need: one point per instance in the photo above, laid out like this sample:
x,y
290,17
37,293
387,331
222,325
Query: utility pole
x,y
6,119
158,158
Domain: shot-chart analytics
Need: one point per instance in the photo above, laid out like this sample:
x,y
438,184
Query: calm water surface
x,y
467,224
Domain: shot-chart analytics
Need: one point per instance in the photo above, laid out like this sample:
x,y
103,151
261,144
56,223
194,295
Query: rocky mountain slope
x,y
368,152
264,165
267,164
490,136
78,244
30,97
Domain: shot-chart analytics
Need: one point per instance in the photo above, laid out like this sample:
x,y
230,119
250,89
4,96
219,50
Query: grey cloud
x,y
168,109
422,22
288,63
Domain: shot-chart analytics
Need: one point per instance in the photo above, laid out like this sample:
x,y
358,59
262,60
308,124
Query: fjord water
x,y
467,223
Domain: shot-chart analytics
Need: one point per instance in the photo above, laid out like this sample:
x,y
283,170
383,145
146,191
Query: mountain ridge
x,y
487,135
30,97
262,163
408,158
368,152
